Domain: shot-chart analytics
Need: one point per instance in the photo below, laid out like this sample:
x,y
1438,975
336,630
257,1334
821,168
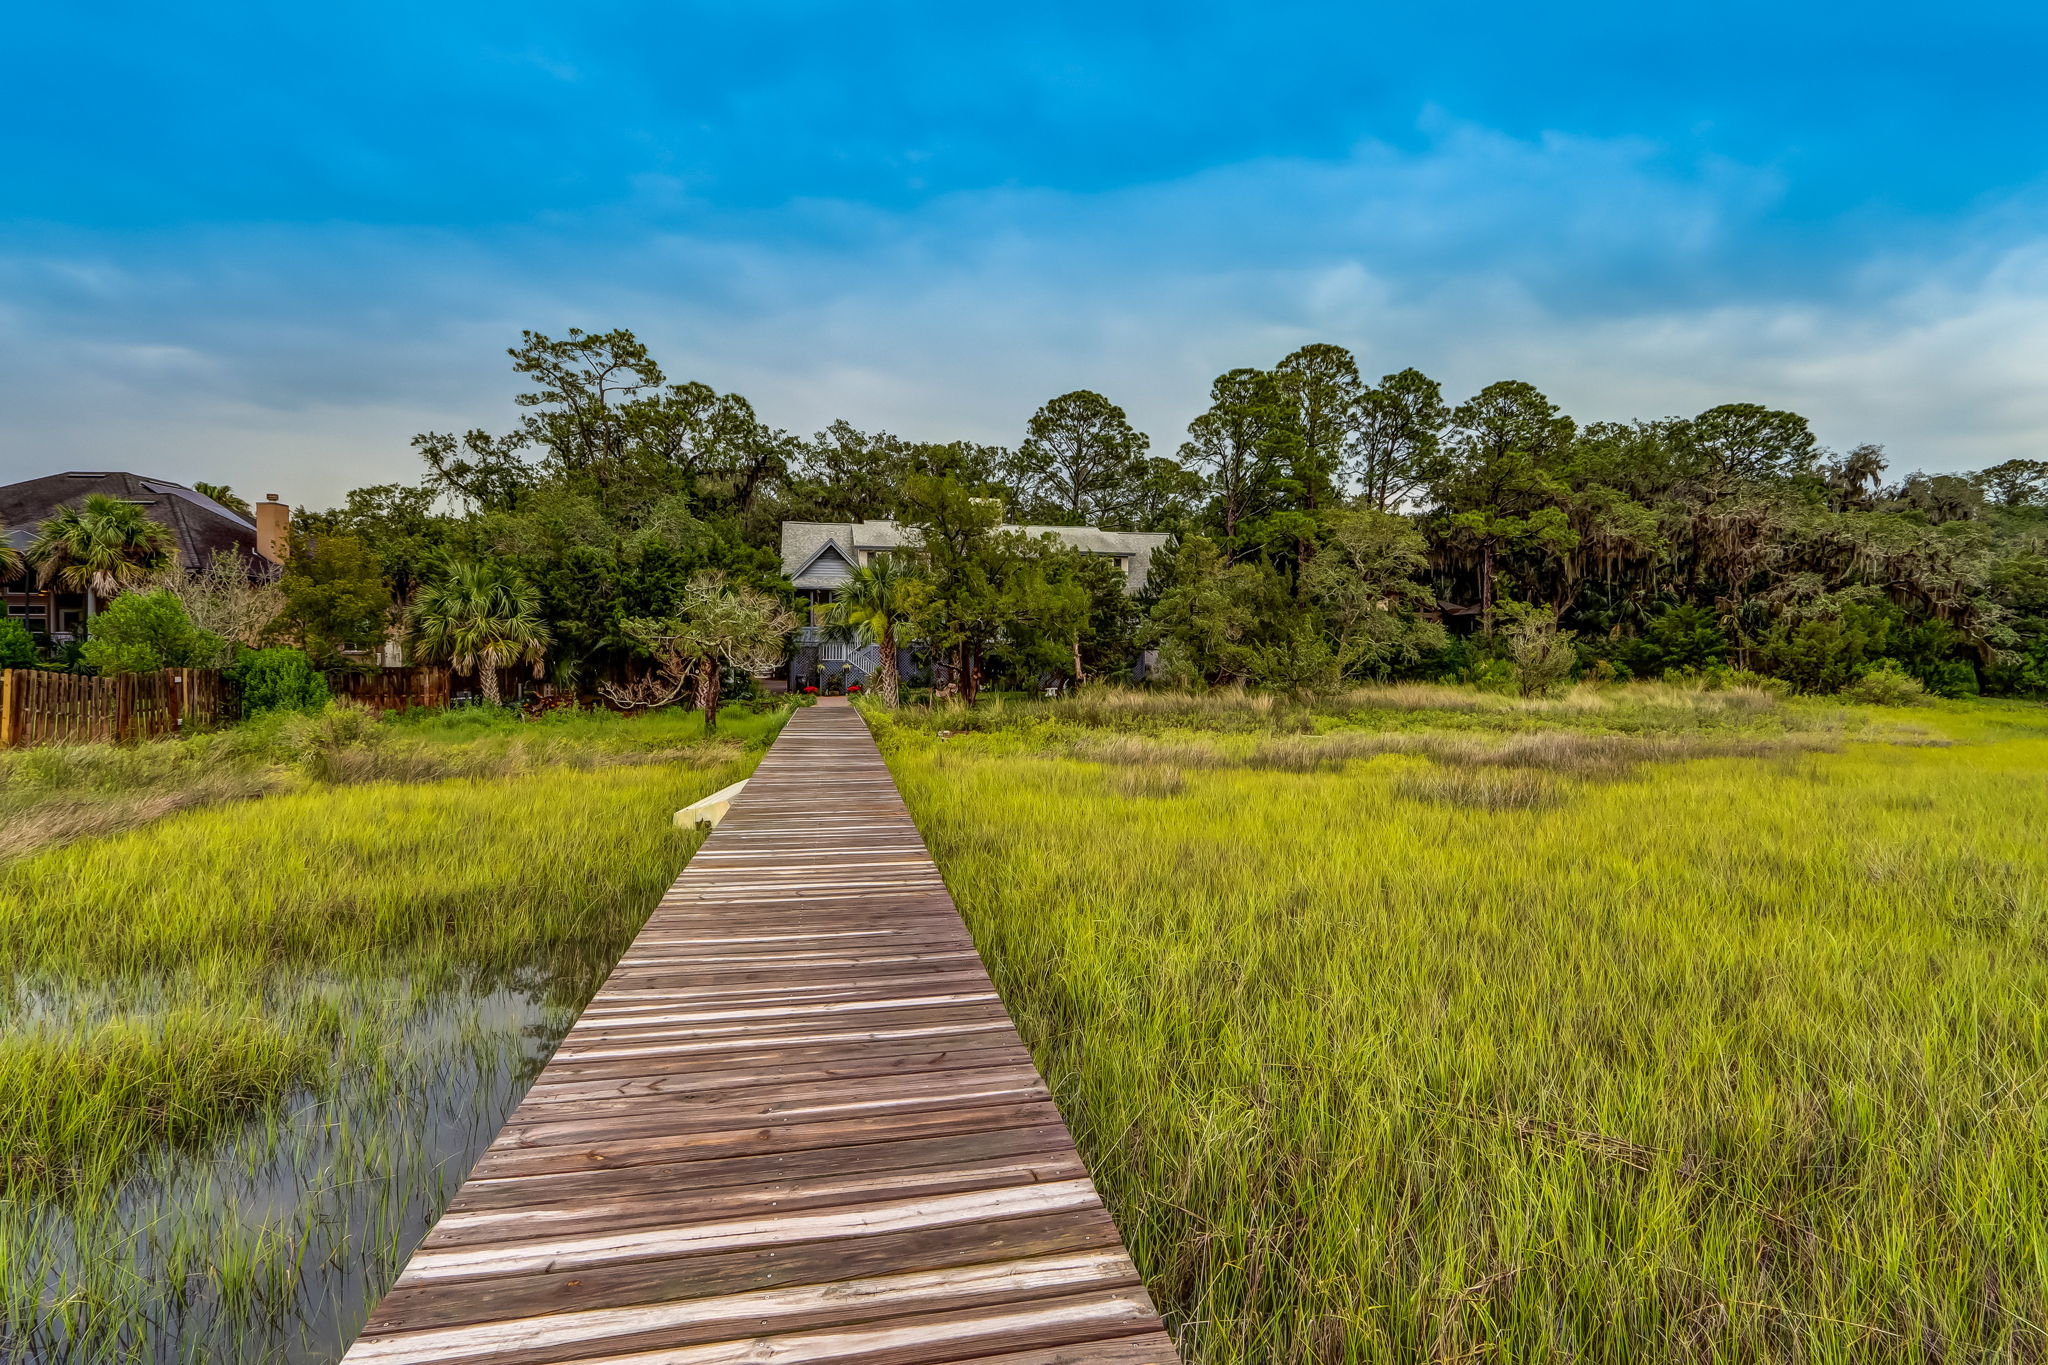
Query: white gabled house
x,y
818,556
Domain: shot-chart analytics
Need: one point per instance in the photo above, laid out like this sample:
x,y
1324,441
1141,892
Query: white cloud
x,y
300,360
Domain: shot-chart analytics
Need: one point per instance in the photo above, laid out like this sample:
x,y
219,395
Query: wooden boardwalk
x,y
796,1124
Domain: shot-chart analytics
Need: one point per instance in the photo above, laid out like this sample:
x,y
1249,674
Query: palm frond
x,y
479,615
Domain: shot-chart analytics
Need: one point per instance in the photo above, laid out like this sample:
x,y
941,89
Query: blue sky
x,y
266,244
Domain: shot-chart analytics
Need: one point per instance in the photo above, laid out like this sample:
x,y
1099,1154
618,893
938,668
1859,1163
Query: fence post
x,y
124,705
10,709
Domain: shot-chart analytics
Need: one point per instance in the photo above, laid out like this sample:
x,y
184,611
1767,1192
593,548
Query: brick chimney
x,y
273,529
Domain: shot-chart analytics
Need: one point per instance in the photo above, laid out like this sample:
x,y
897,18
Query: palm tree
x,y
226,497
874,603
99,548
480,618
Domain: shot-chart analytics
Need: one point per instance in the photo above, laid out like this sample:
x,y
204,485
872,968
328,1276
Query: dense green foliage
x,y
140,632
1327,529
17,645
278,679
1639,1023
335,598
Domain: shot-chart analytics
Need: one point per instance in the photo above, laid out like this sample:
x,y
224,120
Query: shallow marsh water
x,y
273,1244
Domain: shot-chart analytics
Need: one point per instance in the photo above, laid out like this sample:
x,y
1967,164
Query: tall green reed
x,y
1695,1058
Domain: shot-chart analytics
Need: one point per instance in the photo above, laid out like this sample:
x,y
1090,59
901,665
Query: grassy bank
x,y
249,1049
1638,1024
58,793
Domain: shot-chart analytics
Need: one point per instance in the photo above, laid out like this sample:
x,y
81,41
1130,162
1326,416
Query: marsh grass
x,y
249,1050
464,874
1460,1051
53,794
1514,789
77,1108
1149,780
267,1245
1637,707
1562,753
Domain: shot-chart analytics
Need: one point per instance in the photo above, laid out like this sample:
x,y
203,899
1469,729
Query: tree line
x,y
1325,527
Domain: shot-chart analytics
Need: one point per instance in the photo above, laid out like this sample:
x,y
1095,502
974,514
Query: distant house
x,y
201,527
818,556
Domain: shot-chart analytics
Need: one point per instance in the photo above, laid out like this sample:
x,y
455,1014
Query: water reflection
x,y
274,1244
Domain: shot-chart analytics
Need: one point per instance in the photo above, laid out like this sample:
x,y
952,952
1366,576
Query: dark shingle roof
x,y
201,526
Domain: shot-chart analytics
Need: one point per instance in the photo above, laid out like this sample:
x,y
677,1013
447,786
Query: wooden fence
x,y
206,699
38,707
63,708
394,689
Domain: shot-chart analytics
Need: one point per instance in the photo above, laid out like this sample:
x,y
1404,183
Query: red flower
x,y
810,689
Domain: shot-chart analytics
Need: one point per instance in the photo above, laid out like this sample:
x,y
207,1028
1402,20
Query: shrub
x,y
17,646
1454,662
1722,678
1827,653
278,680
1947,677
1937,654
142,632
1542,654
1494,675
737,684
320,738
1886,685
1680,636
2023,672
341,724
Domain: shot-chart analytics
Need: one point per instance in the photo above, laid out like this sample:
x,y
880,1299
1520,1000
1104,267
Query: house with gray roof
x,y
200,527
818,556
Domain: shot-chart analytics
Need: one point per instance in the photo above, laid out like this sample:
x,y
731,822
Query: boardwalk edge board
x,y
796,1124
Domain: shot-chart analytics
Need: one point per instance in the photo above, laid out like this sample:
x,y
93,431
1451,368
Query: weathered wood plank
x,y
795,1124
668,1205
705,1179
410,1309
587,1333
795,1137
